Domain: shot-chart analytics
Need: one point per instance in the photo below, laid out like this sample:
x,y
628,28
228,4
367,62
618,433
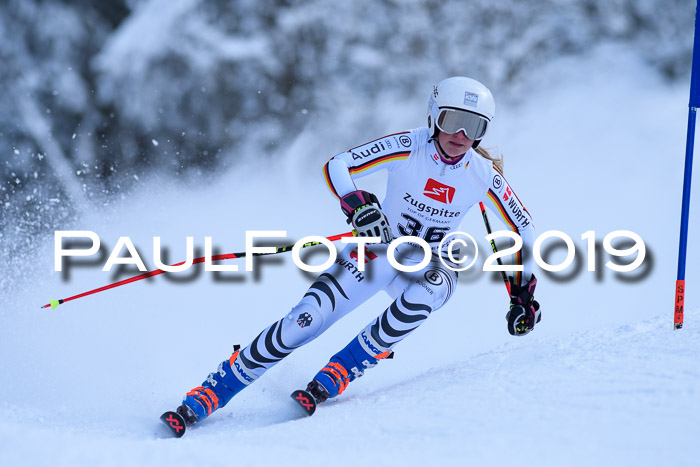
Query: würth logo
x,y
369,256
507,194
439,192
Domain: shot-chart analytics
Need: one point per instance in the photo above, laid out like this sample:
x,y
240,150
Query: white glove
x,y
365,214
370,221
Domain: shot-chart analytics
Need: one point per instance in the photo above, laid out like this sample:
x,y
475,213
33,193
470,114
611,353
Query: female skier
x,y
435,175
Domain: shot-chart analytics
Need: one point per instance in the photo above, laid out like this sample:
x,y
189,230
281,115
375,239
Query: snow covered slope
x,y
622,396
602,380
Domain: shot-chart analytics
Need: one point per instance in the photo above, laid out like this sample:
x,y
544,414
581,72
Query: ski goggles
x,y
452,121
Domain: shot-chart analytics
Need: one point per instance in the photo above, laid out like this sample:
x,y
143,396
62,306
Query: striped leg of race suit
x,y
335,293
425,293
326,301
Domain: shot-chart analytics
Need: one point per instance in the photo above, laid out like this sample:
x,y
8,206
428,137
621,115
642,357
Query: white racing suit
x,y
425,198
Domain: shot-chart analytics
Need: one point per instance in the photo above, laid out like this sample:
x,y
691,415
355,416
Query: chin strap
x,y
444,156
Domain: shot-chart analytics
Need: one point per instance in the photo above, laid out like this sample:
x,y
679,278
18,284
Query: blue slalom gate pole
x,y
687,176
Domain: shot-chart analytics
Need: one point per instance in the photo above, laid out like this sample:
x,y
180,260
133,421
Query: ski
x,y
175,423
304,401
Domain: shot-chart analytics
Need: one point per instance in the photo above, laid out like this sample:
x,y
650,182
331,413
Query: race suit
x,y
425,198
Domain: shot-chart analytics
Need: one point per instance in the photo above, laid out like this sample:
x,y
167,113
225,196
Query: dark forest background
x,y
95,95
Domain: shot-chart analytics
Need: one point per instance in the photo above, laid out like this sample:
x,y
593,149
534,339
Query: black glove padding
x,y
524,310
364,213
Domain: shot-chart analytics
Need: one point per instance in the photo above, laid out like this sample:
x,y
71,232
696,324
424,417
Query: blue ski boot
x,y
218,389
344,367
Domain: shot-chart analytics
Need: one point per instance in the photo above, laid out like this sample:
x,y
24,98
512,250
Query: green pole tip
x,y
54,303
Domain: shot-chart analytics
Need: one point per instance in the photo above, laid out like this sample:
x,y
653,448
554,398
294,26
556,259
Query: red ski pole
x,y
283,249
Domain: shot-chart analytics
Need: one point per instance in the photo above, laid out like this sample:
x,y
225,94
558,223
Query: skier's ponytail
x,y
498,162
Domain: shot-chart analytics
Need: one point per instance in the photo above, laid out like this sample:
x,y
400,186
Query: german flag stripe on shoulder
x,y
501,210
516,196
375,162
327,177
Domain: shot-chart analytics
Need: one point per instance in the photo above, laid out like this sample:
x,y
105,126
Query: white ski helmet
x,y
460,103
